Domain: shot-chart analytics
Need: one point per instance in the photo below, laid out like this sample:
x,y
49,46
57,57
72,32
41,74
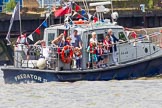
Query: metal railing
x,y
27,56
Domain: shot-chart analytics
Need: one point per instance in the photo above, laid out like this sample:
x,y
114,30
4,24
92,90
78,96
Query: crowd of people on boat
x,y
70,47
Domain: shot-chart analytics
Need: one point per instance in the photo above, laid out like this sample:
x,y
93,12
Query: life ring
x,y
66,54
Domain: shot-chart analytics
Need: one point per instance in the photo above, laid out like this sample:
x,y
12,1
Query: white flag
x,y
31,37
74,13
66,19
89,16
15,16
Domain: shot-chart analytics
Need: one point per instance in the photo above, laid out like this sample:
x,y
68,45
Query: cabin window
x,y
100,37
60,31
89,36
122,36
66,33
51,36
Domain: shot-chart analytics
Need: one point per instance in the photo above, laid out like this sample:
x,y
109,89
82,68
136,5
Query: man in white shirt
x,y
44,50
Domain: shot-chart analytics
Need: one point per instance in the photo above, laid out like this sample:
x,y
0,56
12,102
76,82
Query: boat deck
x,y
111,67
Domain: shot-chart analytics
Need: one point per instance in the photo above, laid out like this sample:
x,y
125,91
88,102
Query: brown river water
x,y
140,93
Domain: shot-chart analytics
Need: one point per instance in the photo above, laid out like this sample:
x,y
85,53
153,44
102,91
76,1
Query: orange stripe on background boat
x,y
80,22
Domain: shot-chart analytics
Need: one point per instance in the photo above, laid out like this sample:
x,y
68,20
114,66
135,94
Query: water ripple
x,y
141,93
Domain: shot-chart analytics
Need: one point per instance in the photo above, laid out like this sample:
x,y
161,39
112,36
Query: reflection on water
x,y
140,93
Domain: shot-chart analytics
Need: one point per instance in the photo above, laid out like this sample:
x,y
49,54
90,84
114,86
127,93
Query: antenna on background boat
x,y
100,9
100,3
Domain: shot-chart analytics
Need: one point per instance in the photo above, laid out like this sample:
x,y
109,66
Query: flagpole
x,y
15,14
20,20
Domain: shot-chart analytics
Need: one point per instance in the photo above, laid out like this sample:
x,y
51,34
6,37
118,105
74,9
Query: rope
x,y
41,24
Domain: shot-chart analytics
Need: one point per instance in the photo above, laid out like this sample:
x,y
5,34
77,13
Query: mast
x,y
20,20
15,16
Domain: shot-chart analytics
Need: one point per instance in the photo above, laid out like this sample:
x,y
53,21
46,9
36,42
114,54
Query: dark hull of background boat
x,y
145,68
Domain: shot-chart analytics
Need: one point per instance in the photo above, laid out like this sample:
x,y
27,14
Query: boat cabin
x,y
126,50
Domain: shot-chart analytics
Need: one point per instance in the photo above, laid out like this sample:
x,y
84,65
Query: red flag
x,y
134,35
37,31
65,33
95,19
77,8
79,16
62,11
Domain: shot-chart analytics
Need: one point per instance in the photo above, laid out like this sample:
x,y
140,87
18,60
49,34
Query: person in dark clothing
x,y
113,48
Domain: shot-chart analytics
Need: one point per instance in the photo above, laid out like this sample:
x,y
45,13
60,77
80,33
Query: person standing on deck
x,y
113,48
77,44
22,44
22,39
100,52
76,40
107,45
44,49
59,41
92,50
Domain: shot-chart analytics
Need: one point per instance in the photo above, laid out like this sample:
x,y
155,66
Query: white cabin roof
x,y
86,27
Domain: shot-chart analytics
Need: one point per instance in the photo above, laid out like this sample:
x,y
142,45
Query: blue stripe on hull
x,y
147,69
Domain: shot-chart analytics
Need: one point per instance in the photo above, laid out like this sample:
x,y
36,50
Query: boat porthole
x,y
154,48
146,50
